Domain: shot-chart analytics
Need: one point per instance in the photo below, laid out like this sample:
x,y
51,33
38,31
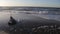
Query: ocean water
x,y
31,13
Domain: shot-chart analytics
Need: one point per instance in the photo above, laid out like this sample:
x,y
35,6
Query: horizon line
x,y
29,6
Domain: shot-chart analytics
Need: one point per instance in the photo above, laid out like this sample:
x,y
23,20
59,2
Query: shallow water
x,y
54,17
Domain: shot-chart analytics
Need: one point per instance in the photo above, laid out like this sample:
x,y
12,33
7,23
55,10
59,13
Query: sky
x,y
38,3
